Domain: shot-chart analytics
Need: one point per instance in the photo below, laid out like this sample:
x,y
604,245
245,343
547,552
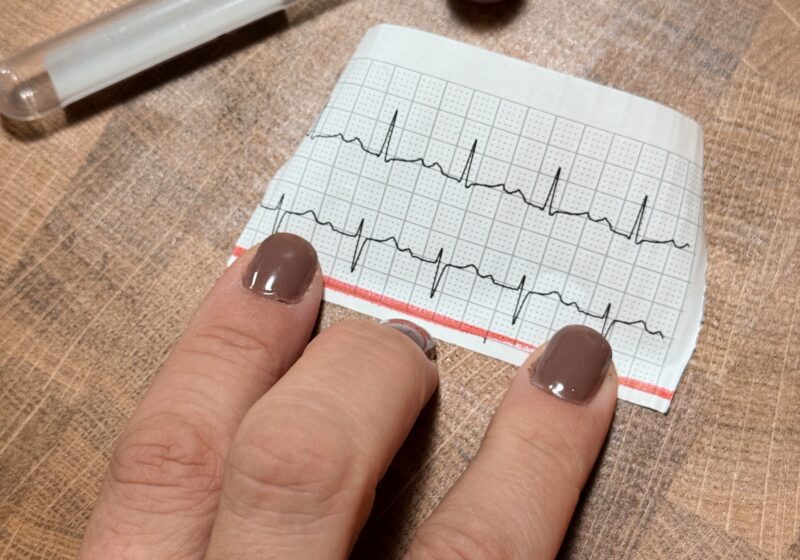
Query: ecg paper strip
x,y
494,202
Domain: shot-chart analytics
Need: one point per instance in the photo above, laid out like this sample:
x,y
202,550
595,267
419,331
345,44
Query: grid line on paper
x,y
383,194
299,184
439,202
414,283
584,155
662,211
672,339
467,205
591,204
479,153
541,176
408,207
503,98
325,193
649,218
605,163
356,204
528,208
516,242
628,281
552,224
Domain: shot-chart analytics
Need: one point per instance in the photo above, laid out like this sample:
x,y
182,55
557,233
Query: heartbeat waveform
x,y
523,293
635,232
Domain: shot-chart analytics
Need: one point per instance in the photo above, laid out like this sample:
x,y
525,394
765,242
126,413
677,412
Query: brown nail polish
x,y
573,365
283,268
420,336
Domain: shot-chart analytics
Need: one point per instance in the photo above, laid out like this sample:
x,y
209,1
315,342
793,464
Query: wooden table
x,y
116,218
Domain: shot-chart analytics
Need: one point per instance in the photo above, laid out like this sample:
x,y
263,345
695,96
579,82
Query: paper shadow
x,y
568,545
395,495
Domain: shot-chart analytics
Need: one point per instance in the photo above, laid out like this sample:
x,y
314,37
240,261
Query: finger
x,y
303,467
161,489
517,497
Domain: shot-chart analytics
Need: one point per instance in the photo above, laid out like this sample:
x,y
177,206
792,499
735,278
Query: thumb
x,y
517,497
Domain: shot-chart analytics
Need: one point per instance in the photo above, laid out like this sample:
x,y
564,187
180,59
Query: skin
x,y
254,443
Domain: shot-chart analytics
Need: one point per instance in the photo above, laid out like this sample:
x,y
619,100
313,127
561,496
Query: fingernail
x,y
283,268
573,365
420,336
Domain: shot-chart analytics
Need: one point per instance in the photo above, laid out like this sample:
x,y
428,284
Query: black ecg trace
x,y
547,206
523,294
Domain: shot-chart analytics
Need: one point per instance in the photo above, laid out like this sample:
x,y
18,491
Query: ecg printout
x,y
494,202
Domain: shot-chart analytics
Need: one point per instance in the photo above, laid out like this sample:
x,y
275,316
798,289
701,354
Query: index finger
x,y
305,462
160,493
516,498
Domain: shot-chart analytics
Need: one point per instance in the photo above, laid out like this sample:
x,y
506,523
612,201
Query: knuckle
x,y
232,344
305,472
442,540
350,333
550,450
170,456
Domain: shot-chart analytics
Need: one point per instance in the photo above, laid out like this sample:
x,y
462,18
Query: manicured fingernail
x,y
573,365
282,269
420,336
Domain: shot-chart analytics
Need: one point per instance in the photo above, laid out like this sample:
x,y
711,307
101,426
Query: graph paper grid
x,y
405,172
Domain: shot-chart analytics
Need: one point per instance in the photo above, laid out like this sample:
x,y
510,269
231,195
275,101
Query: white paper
x,y
494,202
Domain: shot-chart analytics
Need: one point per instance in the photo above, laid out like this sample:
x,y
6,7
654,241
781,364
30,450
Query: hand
x,y
253,442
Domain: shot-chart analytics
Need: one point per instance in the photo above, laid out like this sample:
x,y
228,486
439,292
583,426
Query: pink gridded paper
x,y
493,202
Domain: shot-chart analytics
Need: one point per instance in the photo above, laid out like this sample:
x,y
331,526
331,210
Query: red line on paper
x,y
404,307
426,314
645,387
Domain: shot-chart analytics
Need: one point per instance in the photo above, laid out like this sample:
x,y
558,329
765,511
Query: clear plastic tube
x,y
77,63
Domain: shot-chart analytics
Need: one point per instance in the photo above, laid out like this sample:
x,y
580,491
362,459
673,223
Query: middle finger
x,y
303,467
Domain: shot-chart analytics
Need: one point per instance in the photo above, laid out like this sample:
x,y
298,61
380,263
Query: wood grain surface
x,y
117,216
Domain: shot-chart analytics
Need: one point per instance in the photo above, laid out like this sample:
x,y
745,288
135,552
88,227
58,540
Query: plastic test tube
x,y
81,61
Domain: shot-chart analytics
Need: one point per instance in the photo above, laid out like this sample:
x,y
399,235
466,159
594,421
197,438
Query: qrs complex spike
x,y
634,233
523,293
